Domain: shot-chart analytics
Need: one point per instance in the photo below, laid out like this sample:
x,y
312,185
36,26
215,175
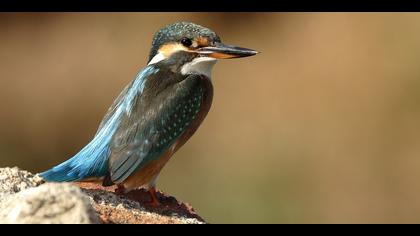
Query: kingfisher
x,y
155,114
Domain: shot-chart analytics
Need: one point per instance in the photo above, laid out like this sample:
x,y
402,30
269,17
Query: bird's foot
x,y
154,202
149,198
120,190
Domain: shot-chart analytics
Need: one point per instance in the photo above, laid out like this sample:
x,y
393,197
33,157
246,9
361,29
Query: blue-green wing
x,y
156,120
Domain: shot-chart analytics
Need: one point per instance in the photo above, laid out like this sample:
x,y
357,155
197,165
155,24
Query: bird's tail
x,y
91,161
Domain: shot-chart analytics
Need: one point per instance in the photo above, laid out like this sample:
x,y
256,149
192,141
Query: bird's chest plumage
x,y
178,110
180,116
206,101
173,115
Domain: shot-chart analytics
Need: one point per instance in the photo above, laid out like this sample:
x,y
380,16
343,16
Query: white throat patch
x,y
157,58
199,65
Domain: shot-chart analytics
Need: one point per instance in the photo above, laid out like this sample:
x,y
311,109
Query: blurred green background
x,y
321,127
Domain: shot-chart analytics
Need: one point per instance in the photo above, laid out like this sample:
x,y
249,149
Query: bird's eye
x,y
186,42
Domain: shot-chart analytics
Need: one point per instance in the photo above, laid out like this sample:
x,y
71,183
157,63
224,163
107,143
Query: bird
x,y
154,115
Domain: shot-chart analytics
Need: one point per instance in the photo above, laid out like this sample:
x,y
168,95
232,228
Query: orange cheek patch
x,y
202,42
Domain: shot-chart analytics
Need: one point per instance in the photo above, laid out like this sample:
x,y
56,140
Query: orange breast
x,y
148,173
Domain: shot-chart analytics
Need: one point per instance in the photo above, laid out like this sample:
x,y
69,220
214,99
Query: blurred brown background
x,y
321,127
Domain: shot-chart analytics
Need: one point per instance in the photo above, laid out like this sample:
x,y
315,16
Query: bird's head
x,y
191,48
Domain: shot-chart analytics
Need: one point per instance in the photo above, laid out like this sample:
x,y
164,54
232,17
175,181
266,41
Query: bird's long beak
x,y
223,51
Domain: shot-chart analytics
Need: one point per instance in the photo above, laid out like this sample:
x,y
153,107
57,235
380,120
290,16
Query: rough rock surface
x,y
133,207
13,180
48,204
25,198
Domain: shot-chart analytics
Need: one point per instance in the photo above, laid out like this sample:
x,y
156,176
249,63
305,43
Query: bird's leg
x,y
138,195
120,190
154,199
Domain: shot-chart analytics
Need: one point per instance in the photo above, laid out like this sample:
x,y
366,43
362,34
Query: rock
x,y
25,198
48,204
13,180
133,208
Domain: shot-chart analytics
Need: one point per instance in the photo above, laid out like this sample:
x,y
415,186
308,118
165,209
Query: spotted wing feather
x,y
158,118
